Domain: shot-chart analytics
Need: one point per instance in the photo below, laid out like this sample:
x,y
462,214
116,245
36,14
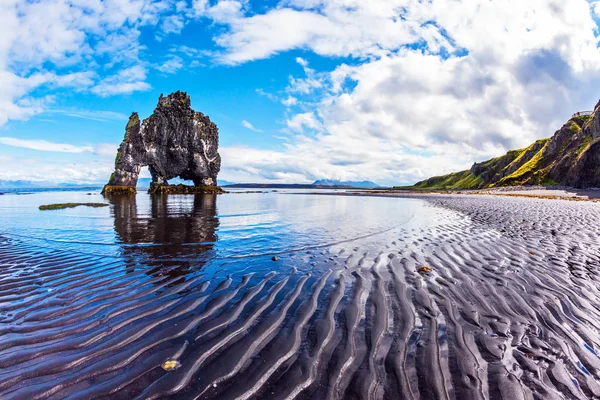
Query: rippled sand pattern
x,y
509,310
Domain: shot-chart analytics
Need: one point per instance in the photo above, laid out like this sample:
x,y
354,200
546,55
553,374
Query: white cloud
x,y
85,164
125,81
225,11
248,125
107,150
307,160
14,102
70,43
44,145
171,66
186,50
304,120
268,95
172,24
341,28
93,171
302,61
311,82
477,79
289,101
94,115
111,87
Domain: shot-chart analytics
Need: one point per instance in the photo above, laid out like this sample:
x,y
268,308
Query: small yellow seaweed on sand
x,y
170,365
424,269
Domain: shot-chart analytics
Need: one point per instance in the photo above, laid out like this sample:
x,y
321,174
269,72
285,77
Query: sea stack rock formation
x,y
175,141
571,157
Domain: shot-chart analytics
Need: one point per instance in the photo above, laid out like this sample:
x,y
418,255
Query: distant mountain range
x,y
145,183
22,184
323,183
320,184
221,182
354,184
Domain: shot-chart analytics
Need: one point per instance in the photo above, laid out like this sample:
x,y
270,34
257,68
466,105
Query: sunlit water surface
x,y
201,227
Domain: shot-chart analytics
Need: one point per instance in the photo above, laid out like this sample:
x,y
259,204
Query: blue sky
x,y
392,90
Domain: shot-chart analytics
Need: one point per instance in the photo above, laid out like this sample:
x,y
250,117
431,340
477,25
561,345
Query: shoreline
x,y
588,195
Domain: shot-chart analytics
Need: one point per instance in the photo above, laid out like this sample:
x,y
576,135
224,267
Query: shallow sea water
x,y
97,302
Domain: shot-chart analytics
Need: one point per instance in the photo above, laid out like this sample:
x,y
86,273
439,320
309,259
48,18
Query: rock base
x,y
113,189
184,189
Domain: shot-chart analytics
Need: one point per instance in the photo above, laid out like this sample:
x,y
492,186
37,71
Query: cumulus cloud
x,y
171,66
341,28
15,104
289,101
92,45
125,81
301,121
172,24
302,61
430,87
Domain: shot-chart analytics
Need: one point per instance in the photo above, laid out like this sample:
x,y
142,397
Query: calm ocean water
x,y
233,225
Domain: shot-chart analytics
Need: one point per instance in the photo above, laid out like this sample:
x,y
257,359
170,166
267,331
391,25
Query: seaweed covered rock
x,y
175,141
184,189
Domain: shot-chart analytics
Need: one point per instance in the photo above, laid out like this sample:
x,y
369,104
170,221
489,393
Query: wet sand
x,y
509,310
559,193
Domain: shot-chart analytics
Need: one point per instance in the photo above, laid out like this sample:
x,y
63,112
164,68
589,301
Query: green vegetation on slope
x,y
519,155
117,157
545,162
456,180
134,120
523,174
585,144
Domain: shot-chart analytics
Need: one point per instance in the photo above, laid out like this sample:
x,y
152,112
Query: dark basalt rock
x,y
175,141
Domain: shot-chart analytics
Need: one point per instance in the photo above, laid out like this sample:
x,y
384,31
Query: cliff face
x,y
175,141
569,158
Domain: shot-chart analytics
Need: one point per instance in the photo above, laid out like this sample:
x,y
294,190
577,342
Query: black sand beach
x,y
507,308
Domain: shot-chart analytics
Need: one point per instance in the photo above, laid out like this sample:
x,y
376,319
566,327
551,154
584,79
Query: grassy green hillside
x,y
564,159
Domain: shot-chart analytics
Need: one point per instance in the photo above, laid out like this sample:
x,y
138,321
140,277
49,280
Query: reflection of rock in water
x,y
176,237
